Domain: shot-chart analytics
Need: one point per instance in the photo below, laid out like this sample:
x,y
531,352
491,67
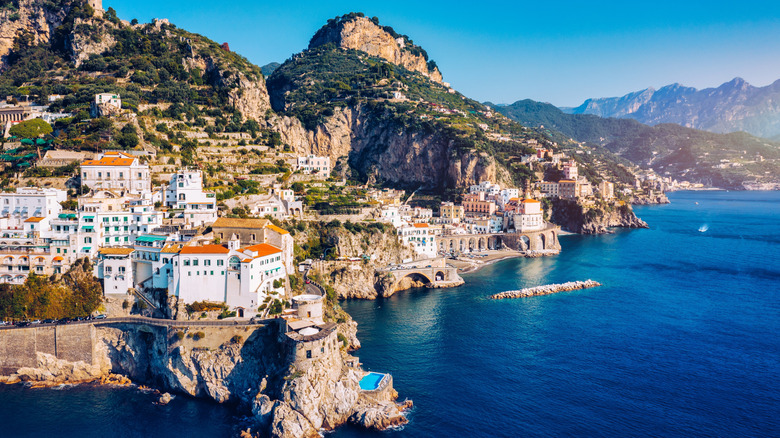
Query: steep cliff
x,y
595,219
361,279
354,31
35,19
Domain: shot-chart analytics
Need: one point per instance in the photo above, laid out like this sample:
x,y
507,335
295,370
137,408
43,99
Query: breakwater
x,y
546,289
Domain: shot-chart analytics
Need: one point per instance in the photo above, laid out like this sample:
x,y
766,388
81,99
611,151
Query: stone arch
x,y
525,243
481,244
472,244
462,245
440,275
543,241
417,277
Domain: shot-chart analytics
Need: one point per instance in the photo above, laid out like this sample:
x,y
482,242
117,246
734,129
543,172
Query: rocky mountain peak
x,y
355,31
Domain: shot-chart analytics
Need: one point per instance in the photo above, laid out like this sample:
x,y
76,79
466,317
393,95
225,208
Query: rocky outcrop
x,y
360,33
652,199
382,149
360,279
595,219
96,40
35,18
50,371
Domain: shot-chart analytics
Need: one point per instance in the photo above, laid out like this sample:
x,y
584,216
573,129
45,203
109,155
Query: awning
x,y
89,229
88,217
71,216
86,249
148,238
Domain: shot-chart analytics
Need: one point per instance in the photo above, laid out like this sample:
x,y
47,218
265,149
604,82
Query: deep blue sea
x,y
682,340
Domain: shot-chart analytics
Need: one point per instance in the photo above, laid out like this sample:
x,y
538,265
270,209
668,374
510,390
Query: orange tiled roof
x,y
277,229
35,219
226,222
205,249
109,161
116,251
529,200
57,259
171,249
421,225
263,249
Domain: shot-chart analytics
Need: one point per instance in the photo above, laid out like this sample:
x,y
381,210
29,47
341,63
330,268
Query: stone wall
x,y
19,347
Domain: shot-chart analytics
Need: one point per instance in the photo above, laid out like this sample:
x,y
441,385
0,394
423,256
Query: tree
x,y
31,129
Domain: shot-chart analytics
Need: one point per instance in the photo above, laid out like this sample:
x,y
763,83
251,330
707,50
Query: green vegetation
x,y
34,128
205,306
76,294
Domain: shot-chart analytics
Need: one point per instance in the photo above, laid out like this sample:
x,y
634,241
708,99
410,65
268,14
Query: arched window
x,y
234,264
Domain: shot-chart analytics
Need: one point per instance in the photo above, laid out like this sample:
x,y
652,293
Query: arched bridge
x,y
432,273
546,239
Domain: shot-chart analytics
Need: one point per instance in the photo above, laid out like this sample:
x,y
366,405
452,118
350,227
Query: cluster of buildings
x,y
142,237
488,208
573,186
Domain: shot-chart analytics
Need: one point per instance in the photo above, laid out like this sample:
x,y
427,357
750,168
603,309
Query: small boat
x,y
704,228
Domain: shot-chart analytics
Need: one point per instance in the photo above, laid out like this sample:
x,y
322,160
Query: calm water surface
x,y
682,340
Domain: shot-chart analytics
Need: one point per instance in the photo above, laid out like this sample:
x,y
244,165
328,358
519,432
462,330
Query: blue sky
x,y
559,52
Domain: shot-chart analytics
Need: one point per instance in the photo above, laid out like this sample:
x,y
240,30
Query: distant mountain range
x,y
720,160
733,106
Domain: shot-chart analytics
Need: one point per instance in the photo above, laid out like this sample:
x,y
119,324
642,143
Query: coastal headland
x,y
295,381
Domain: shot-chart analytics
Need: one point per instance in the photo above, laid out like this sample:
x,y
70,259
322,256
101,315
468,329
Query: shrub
x,y
199,335
180,335
343,339
236,339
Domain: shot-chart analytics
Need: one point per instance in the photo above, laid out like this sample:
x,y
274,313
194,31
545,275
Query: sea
x,y
682,340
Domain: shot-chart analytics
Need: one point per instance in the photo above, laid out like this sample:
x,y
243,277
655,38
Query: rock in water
x,y
165,399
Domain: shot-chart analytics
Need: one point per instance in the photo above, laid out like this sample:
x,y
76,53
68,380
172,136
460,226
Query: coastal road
x,y
155,321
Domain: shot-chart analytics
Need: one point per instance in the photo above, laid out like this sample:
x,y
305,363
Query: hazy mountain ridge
x,y
721,160
733,106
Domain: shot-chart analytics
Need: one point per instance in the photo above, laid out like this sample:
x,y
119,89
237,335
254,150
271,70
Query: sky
x,y
561,52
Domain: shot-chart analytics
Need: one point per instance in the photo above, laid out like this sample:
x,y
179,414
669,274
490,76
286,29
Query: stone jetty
x,y
546,289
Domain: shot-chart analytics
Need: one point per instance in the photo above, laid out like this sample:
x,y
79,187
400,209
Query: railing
x,y
313,283
158,322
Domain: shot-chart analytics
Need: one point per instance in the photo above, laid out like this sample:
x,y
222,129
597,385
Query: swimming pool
x,y
371,381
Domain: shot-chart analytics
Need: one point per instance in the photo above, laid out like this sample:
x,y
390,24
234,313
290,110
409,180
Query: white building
x,y
314,165
115,268
109,99
607,190
507,194
391,215
570,170
117,171
529,217
420,237
29,202
240,278
186,197
486,187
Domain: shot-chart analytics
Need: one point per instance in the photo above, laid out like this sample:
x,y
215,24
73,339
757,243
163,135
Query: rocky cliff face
x,y
360,279
35,18
381,149
577,218
361,33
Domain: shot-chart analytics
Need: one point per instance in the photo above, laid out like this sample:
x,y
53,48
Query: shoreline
x,y
471,266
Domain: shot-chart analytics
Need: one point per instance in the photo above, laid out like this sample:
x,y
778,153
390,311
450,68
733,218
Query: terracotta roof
x,y
529,200
263,249
57,259
277,229
171,249
116,251
421,225
566,181
111,159
205,249
35,219
226,222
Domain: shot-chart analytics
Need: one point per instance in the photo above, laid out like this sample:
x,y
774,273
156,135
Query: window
x,y
207,262
220,262
212,272
194,262
308,354
186,262
121,269
108,269
252,237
